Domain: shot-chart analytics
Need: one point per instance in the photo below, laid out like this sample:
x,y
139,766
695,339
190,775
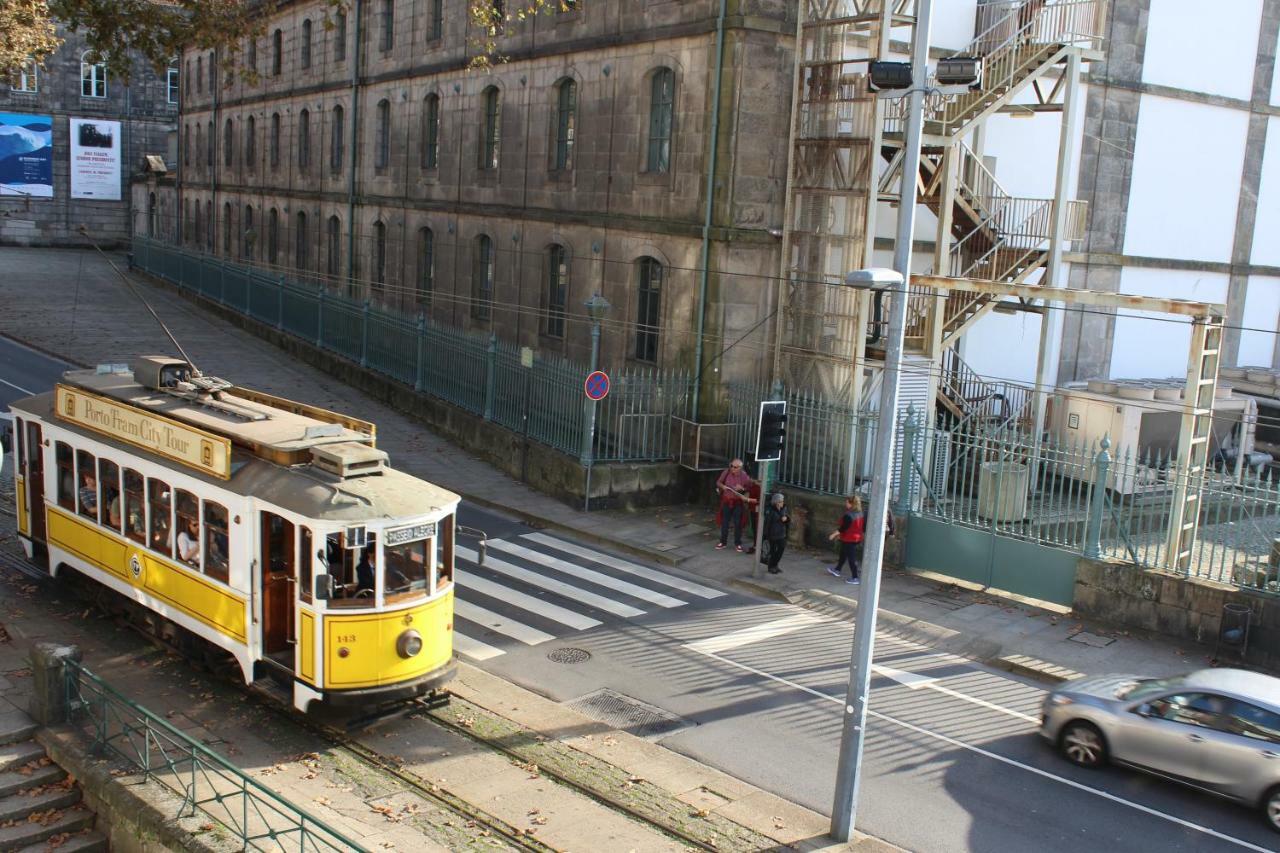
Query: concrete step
x,y
84,841
15,755
15,780
29,833
16,726
18,807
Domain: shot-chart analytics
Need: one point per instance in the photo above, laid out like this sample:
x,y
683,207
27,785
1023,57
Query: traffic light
x,y
771,432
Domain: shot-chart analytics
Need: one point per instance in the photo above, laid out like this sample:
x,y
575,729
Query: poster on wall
x,y
95,159
26,155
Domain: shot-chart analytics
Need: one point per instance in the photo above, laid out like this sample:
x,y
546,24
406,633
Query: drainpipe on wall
x,y
355,139
710,208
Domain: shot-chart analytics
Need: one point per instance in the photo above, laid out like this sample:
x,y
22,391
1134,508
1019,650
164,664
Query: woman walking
x,y
852,526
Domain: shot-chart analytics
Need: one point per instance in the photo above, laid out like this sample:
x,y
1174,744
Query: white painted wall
x,y
1154,346
1186,180
953,22
1003,346
1266,230
1261,312
1203,47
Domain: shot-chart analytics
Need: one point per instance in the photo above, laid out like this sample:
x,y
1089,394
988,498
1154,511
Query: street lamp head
x,y
597,306
874,278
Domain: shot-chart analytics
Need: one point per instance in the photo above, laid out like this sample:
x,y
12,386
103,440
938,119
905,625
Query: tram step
x,y
31,775
16,726
28,833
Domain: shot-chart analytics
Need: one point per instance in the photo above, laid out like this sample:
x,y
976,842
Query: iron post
x,y
1098,500
491,376
597,306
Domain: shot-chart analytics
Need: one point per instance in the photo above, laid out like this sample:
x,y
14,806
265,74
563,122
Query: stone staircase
x,y
40,805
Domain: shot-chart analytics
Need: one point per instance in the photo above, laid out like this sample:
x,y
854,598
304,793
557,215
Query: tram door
x,y
279,556
35,481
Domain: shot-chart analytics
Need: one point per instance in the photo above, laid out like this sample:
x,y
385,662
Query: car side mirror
x,y
324,587
1144,710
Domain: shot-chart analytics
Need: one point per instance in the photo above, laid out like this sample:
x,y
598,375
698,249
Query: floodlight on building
x,y
874,278
959,71
889,76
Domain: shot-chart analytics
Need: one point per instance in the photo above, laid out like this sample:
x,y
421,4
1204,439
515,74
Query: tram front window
x,y
352,571
407,567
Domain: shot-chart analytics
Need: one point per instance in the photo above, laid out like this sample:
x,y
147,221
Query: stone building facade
x,y
72,85
366,155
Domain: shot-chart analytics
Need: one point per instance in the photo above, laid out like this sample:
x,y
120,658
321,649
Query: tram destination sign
x,y
412,533
186,445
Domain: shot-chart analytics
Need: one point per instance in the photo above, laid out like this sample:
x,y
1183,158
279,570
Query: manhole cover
x,y
569,655
629,714
1095,640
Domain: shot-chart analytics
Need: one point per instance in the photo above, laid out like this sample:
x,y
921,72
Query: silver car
x,y
1217,730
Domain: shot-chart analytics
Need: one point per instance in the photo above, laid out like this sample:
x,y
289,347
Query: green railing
x,y
256,816
475,372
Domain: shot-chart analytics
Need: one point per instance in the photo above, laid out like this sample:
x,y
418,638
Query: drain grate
x,y
629,714
569,655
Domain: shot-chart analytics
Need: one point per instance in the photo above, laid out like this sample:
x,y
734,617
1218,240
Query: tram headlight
x,y
409,643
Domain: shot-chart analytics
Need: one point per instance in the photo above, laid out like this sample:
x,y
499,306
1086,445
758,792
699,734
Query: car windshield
x,y
1148,687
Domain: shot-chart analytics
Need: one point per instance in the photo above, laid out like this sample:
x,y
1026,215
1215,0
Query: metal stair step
x,y
84,841
13,781
27,833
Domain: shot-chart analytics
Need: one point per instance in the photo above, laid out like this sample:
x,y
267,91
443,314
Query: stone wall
x,y
1186,609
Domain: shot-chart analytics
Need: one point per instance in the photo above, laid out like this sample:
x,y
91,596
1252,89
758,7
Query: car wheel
x,y
1271,807
1083,745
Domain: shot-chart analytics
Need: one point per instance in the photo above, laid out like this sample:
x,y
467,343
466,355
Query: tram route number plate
x,y
412,533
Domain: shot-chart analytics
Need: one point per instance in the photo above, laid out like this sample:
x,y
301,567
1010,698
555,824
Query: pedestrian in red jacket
x,y
853,525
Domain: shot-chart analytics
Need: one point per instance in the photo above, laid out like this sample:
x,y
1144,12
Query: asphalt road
x,y
755,688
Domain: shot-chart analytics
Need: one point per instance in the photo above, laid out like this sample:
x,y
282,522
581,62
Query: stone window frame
x,y
199,144
273,142
228,227
650,331
277,52
199,74
484,277
228,143
489,149
337,139
250,143
378,279
425,285
304,49
651,79
429,145
248,236
301,242
556,165
251,51
172,84
273,237
333,246
211,147
555,317
26,80
93,77
340,36
387,26
382,137
213,73
435,20
304,141
209,226
186,144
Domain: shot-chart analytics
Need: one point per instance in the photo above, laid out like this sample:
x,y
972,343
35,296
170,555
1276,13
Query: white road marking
x,y
588,575
915,680
526,634
625,566
1002,759
474,648
545,609
756,633
18,388
573,593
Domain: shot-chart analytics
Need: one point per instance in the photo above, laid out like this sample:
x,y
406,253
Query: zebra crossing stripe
x,y
624,566
573,593
589,575
474,648
526,634
545,609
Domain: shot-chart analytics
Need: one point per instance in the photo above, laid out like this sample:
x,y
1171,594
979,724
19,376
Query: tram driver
x,y
364,571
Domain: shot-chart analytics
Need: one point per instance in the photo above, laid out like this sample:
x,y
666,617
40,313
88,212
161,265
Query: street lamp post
x,y
853,736
597,307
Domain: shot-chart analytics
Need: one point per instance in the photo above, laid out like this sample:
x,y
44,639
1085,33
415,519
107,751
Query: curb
x,y
1030,667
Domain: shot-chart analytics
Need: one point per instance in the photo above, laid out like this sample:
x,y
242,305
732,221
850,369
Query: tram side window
x,y
216,544
109,496
160,506
188,541
306,558
444,561
66,476
135,514
87,496
407,569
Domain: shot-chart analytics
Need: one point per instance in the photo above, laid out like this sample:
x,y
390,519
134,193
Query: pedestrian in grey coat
x,y
777,520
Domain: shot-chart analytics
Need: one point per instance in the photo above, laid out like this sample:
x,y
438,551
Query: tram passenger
x,y
161,535
364,571
89,495
189,542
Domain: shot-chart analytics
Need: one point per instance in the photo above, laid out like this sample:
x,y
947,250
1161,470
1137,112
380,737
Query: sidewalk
x,y
71,304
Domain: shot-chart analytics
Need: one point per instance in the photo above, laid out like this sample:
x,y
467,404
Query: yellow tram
x,y
237,523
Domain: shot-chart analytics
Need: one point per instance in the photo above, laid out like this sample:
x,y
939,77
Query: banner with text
x,y
95,159
26,155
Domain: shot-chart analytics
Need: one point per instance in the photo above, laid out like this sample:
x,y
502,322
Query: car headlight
x,y
409,644
1059,699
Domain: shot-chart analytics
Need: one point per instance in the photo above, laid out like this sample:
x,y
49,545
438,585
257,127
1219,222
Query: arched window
x,y
437,20
648,309
426,265
208,226
482,276
382,137
340,37
27,78
557,290
379,255
273,145
388,24
337,139
195,232
93,76
228,143
490,128
431,131
250,236
277,52
186,221
186,80
301,249
273,237
661,112
211,143
253,54
227,228
200,74
186,145
199,143
565,119
333,237
304,140
250,143
213,74
304,50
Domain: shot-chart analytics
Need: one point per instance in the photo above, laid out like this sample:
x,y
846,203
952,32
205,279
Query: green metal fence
x,y
252,814
476,372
